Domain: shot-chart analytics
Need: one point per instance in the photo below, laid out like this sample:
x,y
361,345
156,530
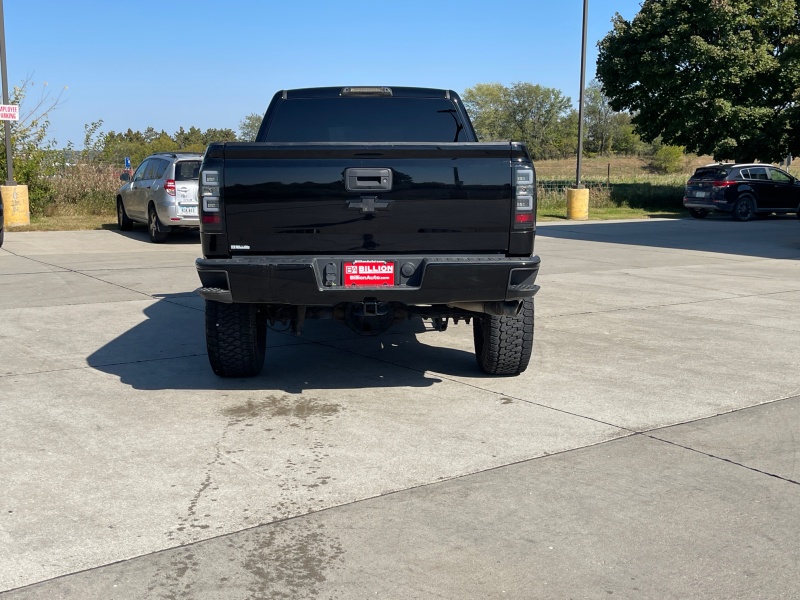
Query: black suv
x,y
744,190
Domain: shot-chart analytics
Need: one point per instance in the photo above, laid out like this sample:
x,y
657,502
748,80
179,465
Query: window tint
x,y
758,173
187,170
162,167
159,168
140,172
710,173
365,120
779,176
150,171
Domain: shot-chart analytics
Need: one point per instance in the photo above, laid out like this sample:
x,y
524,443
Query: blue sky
x,y
177,63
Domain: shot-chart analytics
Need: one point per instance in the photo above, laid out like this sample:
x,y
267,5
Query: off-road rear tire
x,y
236,338
503,345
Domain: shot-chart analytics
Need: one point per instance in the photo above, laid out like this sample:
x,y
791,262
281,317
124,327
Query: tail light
x,y
724,183
210,186
169,185
524,198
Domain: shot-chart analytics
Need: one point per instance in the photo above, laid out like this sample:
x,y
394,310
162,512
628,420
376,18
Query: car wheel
x,y
698,213
744,209
154,227
236,338
503,345
124,223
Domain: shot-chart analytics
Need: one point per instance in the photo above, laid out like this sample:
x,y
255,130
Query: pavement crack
x,y
726,460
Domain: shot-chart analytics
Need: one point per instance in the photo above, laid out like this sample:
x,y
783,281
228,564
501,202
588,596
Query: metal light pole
x,y
578,197
6,124
14,202
578,183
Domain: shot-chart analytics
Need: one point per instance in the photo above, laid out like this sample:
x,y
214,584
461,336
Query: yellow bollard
x,y
16,210
578,204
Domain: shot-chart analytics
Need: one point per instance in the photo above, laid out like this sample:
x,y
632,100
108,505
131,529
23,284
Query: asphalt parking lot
x,y
650,451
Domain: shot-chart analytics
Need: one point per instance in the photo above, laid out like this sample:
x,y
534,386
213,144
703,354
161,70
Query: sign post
x,y
578,197
14,205
6,124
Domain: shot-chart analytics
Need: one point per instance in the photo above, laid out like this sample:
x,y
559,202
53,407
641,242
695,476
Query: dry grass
x,y
68,223
619,187
84,189
612,169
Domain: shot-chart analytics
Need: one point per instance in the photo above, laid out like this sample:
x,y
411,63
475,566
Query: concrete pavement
x,y
650,451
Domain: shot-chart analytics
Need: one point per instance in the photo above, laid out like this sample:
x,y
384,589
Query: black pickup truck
x,y
368,205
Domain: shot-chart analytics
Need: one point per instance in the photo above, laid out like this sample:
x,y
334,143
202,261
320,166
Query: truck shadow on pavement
x,y
773,237
181,237
186,237
166,351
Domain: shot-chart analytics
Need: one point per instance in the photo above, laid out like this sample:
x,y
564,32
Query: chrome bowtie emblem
x,y
369,204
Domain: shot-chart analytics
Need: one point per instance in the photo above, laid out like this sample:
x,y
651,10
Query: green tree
x,y
668,159
600,122
626,140
211,136
117,146
487,105
523,112
163,142
564,138
719,77
189,141
34,159
248,127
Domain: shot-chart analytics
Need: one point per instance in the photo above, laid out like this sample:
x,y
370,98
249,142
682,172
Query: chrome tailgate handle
x,y
367,180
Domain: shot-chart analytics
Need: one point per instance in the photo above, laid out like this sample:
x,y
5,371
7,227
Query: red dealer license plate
x,y
368,273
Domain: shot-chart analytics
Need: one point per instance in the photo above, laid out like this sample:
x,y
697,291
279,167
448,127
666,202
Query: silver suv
x,y
161,193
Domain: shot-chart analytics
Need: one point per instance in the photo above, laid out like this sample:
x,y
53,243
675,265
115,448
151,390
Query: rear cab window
x,y
348,119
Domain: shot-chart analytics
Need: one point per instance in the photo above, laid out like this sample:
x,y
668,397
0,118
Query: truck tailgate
x,y
294,198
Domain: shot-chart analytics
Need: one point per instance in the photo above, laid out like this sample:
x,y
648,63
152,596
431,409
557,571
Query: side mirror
x,y
125,177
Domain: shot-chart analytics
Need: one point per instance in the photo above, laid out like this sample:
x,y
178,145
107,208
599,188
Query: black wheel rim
x,y
745,209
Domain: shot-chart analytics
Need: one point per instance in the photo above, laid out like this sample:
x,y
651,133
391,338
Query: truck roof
x,y
386,91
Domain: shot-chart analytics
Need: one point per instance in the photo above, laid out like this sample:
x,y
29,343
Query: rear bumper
x,y
174,215
703,204
317,281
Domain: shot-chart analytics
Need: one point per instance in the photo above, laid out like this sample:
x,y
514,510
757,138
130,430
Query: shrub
x,y
668,159
84,188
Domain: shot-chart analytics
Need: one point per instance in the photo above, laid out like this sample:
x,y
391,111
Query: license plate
x,y
368,273
188,210
700,194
